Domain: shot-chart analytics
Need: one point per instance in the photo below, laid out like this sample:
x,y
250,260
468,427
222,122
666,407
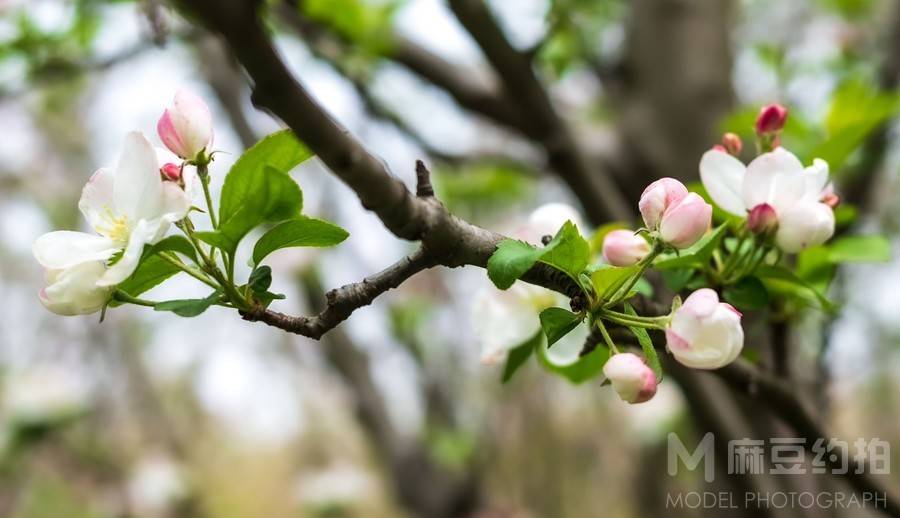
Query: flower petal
x,y
138,187
723,177
816,180
143,233
97,200
193,120
503,320
775,178
803,225
73,291
64,249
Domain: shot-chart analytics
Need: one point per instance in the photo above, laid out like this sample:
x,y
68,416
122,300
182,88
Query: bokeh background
x,y
150,415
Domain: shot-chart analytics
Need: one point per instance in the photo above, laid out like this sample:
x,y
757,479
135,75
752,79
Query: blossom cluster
x,y
773,206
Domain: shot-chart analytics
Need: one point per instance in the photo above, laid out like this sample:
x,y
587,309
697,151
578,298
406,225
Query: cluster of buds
x,y
678,216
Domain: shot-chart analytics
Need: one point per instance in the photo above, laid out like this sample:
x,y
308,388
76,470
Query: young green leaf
x,y
557,323
643,338
782,280
174,243
568,251
300,231
188,307
749,293
860,249
583,369
149,273
518,355
695,256
607,279
510,261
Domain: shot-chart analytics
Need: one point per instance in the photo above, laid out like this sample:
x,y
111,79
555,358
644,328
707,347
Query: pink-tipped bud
x,y
732,144
771,119
658,197
684,223
630,377
762,220
832,200
624,248
170,172
186,126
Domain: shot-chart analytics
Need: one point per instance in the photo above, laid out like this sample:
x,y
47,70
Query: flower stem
x,y
203,173
606,337
623,290
189,270
121,296
633,320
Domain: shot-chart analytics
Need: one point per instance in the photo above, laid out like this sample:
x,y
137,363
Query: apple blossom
x,y
74,290
732,144
776,178
771,118
705,333
129,207
624,248
658,197
684,223
170,172
762,219
185,127
630,377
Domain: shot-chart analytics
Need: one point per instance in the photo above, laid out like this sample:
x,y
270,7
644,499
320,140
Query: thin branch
x,y
341,302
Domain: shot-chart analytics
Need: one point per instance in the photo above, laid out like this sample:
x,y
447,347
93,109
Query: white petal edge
x,y
723,177
65,248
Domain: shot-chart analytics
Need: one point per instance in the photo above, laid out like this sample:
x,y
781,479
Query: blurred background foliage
x,y
392,414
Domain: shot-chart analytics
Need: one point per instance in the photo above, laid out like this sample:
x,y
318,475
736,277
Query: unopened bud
x,y
732,144
771,119
762,220
170,172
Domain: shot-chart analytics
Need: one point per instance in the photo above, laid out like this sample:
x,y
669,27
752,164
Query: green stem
x,y
622,291
634,321
606,337
188,270
121,296
203,173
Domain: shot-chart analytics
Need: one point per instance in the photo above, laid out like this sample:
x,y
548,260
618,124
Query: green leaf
x,y
300,231
676,279
643,338
860,249
780,279
260,279
749,293
510,261
696,256
557,323
584,368
188,307
568,252
607,279
179,244
518,356
258,189
149,273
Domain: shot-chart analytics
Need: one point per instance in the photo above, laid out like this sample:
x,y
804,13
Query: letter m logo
x,y
704,452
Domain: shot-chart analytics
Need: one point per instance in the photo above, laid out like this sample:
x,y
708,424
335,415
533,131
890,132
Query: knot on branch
x,y
424,189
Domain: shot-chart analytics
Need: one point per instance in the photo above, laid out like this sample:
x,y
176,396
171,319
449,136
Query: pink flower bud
x,y
658,197
630,377
624,248
170,172
831,199
186,126
771,119
705,333
684,223
732,144
762,219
